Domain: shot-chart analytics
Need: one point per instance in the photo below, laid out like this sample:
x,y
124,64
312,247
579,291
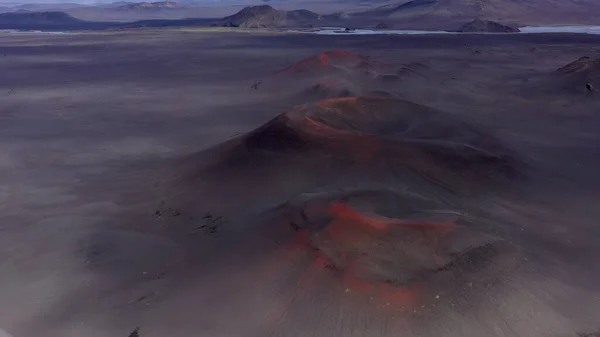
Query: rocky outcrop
x,y
483,26
582,75
265,16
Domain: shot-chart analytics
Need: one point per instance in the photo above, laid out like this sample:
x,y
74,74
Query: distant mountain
x,y
149,6
125,11
164,23
454,15
115,4
484,26
448,14
37,17
60,21
265,16
42,20
302,15
57,6
255,16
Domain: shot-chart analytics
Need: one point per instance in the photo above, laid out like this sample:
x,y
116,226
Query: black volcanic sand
x,y
224,184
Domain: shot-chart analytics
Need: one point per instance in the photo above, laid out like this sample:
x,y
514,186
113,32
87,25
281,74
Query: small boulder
x,y
590,87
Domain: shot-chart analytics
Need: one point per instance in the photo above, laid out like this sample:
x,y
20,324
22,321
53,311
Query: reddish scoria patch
x,y
359,148
328,103
322,128
324,60
385,294
348,224
342,54
344,213
350,227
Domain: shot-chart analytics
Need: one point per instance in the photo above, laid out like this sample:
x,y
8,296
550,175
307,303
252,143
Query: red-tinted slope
x,y
326,62
335,74
389,259
372,129
359,141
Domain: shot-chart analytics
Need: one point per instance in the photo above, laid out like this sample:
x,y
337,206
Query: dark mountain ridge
x,y
56,20
265,16
449,14
480,16
42,20
145,6
485,26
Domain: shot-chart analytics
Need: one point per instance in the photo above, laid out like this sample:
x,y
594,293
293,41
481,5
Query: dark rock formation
x,y
37,17
149,6
482,26
582,75
135,332
265,16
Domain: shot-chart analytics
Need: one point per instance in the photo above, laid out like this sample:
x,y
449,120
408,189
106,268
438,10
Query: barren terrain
x,y
207,183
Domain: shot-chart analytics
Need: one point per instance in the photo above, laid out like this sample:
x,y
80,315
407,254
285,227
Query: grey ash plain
x,y
98,129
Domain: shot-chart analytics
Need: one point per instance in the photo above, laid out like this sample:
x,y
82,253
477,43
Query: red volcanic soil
x,y
358,140
335,60
334,74
330,74
387,246
344,212
384,129
391,259
326,62
361,244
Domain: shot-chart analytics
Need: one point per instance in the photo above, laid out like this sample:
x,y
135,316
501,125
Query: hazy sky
x,y
91,2
20,2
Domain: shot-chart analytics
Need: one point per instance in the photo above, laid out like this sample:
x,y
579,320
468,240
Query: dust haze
x,y
187,182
